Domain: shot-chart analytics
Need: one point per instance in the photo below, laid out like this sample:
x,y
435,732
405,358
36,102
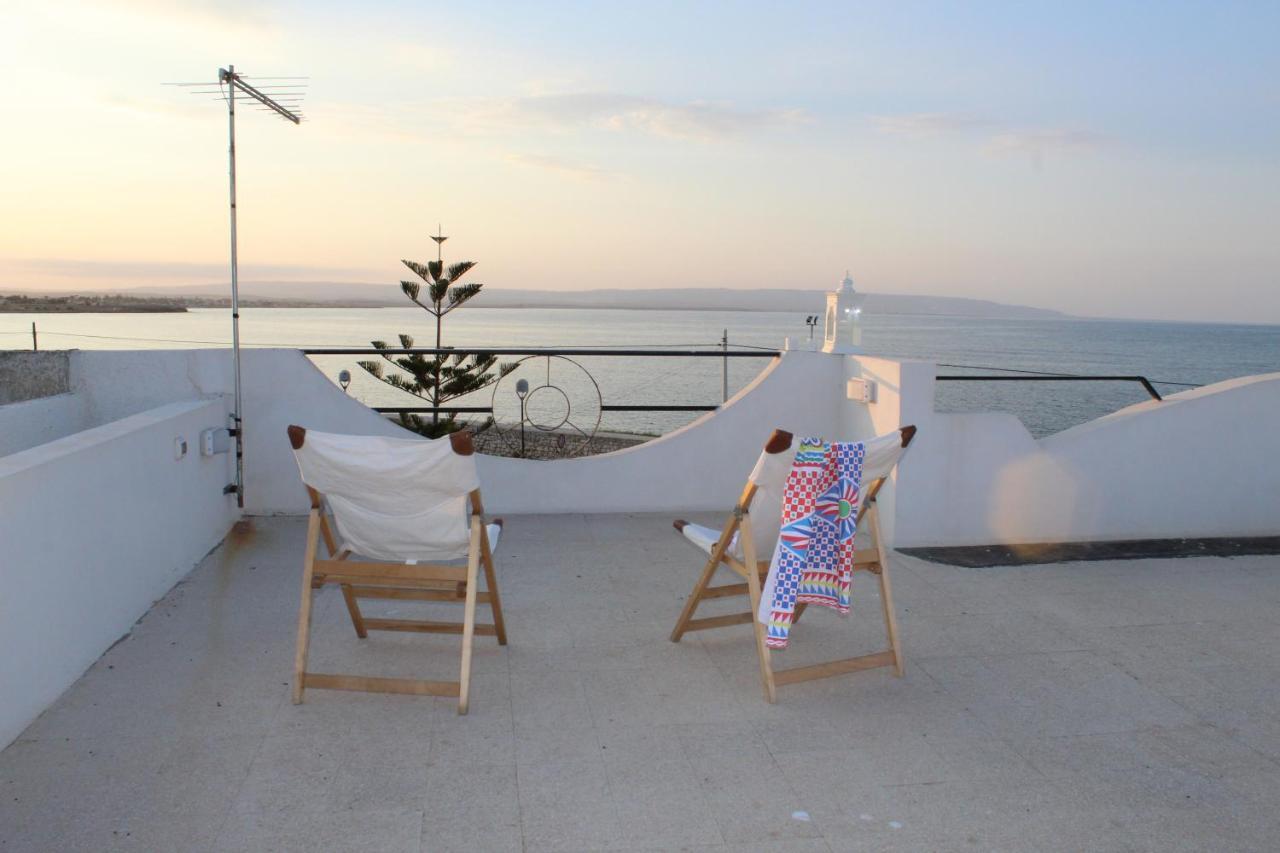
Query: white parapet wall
x,y
1202,463
94,528
701,466
1143,472
31,422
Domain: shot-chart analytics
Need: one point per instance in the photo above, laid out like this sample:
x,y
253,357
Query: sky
x,y
1103,159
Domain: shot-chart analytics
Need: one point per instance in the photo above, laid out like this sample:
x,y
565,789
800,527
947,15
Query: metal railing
x,y
723,353
1148,385
1142,380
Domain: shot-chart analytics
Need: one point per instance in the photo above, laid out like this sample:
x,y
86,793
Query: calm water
x,y
1195,353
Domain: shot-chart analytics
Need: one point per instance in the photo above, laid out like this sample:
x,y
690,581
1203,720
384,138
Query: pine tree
x,y
439,378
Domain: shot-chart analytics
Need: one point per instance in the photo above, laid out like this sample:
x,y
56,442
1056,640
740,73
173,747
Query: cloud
x,y
1034,142
559,164
178,103
930,124
1038,141
230,15
70,271
694,120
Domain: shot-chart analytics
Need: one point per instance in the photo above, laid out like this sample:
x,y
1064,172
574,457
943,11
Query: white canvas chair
x,y
407,507
746,542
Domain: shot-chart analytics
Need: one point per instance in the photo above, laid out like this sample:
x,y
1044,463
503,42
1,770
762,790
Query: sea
x,y
567,393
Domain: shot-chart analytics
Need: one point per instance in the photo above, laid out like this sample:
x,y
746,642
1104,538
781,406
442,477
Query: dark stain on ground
x,y
989,556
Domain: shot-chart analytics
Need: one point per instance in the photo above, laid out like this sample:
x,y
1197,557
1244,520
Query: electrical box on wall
x,y
214,441
861,390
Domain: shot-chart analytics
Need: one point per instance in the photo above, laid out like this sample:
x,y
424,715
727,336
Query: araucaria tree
x,y
439,378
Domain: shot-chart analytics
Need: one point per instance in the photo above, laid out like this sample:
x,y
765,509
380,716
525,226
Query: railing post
x,y
724,344
35,346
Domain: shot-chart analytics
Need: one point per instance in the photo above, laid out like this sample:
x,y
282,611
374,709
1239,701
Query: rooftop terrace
x,y
1100,706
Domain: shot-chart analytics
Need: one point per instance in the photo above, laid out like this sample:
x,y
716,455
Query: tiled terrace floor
x,y
1087,706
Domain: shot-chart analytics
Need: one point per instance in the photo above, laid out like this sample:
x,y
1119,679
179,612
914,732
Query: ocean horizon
x,y
1164,351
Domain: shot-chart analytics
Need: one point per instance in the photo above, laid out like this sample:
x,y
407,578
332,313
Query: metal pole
x,y
724,344
237,415
34,344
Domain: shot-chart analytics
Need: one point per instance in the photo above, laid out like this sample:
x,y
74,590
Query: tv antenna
x,y
282,96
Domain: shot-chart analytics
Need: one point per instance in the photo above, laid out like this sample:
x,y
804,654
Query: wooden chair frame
x,y
399,581
754,570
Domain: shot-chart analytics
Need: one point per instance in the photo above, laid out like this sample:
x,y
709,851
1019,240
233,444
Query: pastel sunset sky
x,y
1107,159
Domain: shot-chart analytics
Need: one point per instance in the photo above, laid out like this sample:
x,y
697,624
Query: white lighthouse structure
x,y
843,327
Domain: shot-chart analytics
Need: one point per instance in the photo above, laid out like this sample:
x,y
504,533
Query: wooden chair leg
x,y
327,532
753,589
886,595
304,610
713,563
469,616
353,607
491,583
695,598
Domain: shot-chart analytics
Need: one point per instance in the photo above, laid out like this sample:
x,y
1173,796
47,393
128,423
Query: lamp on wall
x,y
522,391
344,379
811,321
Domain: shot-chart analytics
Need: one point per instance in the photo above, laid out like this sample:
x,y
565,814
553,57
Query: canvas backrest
x,y
392,498
773,467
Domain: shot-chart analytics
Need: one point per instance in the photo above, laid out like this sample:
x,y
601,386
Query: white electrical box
x,y
214,441
861,390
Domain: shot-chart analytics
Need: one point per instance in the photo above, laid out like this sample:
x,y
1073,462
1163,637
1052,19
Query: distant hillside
x,y
687,298
22,303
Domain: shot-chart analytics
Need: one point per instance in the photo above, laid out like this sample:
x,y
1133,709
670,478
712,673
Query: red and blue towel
x,y
813,560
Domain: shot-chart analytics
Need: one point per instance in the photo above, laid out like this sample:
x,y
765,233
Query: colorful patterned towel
x,y
813,560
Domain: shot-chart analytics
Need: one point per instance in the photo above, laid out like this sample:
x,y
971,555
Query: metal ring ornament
x,y
554,387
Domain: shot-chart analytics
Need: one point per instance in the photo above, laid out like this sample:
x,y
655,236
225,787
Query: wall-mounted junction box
x,y
215,440
861,390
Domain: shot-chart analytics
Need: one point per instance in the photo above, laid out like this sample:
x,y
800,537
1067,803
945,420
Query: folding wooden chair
x,y
751,532
411,506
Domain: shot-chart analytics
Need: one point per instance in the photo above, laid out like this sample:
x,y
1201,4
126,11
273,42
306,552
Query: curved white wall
x,y
701,466
1201,463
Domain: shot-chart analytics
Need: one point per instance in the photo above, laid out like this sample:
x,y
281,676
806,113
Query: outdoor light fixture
x,y
522,391
843,333
344,379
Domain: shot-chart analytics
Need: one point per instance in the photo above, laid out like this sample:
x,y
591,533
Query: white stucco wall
x,y
32,422
95,527
701,466
968,479
1202,463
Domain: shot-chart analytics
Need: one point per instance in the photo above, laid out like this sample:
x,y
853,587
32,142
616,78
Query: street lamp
x,y
522,391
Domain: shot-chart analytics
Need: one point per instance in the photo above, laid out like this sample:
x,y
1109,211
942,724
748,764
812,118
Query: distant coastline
x,y
320,294
89,304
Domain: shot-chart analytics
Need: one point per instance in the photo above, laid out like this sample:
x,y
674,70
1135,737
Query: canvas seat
x,y
745,544
407,525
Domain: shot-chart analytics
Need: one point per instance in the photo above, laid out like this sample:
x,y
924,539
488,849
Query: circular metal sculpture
x,y
547,408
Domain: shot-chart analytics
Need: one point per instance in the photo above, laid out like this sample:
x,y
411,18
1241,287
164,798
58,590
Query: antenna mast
x,y
284,99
